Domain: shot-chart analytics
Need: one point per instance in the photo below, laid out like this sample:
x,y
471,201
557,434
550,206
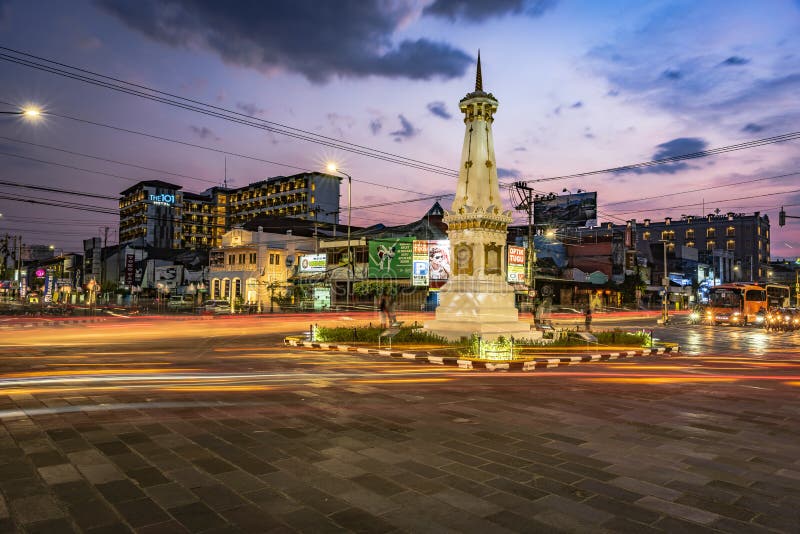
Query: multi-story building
x,y
159,214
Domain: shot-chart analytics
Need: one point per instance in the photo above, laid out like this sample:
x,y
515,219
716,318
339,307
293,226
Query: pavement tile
x,y
240,482
51,526
58,474
465,501
35,508
319,500
681,511
3,508
309,520
167,527
273,502
379,485
622,525
120,491
251,519
171,495
92,514
218,497
645,488
516,523
681,526
141,512
734,512
357,520
191,477
213,466
515,488
74,492
197,517
47,458
148,476
22,487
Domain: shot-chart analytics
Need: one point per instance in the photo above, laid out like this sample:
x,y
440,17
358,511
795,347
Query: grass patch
x,y
370,334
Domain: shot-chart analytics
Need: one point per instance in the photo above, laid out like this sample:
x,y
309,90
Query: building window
x,y
231,259
690,233
731,244
237,288
730,231
226,288
670,248
668,235
646,236
711,232
710,244
241,259
690,244
252,258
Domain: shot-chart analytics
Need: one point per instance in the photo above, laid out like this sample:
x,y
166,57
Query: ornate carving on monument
x,y
491,261
463,255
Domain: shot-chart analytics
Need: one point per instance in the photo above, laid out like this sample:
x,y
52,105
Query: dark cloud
x,y
752,128
613,92
480,10
406,131
203,133
316,39
680,146
577,105
507,173
249,109
375,126
439,109
520,149
735,61
671,74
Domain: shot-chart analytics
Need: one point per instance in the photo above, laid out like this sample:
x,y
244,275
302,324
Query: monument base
x,y
490,315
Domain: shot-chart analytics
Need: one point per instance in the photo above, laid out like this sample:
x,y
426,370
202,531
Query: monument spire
x,y
477,298
478,78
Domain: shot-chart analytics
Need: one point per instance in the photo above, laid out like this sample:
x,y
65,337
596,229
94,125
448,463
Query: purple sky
x,y
582,86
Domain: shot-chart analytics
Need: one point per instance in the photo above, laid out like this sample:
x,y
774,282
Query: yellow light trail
x,y
135,353
217,389
401,380
105,364
660,380
42,374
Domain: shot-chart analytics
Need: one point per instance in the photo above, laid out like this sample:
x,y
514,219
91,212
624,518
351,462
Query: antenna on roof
x,y
226,172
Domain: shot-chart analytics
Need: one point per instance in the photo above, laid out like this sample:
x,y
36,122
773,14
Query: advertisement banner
x,y
439,260
130,269
516,264
49,285
313,263
419,275
566,210
391,258
169,276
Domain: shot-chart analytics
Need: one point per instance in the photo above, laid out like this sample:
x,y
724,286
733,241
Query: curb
x,y
534,364
44,323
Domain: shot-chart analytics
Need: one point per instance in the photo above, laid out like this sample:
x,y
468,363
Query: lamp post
x,y
351,268
31,113
665,283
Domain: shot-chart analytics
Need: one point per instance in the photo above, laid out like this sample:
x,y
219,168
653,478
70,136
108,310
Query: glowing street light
x,y
332,168
31,113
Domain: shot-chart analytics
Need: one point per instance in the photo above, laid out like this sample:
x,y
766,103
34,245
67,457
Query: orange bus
x,y
735,303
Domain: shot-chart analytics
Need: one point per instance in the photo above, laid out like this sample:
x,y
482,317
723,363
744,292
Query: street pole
x,y
350,260
665,282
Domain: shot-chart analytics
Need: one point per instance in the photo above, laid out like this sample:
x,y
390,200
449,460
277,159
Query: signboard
x,y
566,210
391,258
313,263
419,274
169,276
49,286
516,264
322,298
163,199
439,260
130,269
40,273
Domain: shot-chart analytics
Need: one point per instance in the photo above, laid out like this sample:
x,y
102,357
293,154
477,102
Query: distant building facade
x,y
160,214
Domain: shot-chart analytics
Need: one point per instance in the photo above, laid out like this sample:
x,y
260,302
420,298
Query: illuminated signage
x,y
40,273
163,199
516,264
313,263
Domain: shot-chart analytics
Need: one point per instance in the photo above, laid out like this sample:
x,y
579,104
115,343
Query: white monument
x,y
477,298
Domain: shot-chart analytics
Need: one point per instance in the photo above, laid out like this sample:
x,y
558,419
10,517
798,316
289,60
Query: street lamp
x,y
30,113
665,283
332,168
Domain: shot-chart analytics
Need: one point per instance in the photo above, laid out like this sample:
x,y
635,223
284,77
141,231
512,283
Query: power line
x,y
791,136
183,143
213,111
710,202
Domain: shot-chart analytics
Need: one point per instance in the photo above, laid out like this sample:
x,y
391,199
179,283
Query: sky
x,y
582,86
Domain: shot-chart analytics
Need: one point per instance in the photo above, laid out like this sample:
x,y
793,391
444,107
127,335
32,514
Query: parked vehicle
x,y
180,301
217,306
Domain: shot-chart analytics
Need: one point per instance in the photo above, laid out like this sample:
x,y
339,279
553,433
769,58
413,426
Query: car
x,y
217,306
180,301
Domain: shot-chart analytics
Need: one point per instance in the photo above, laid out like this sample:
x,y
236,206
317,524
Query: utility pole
x,y
525,198
665,283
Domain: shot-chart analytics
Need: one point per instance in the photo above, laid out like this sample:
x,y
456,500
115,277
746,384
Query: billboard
x,y
439,260
419,275
516,264
313,263
391,258
566,210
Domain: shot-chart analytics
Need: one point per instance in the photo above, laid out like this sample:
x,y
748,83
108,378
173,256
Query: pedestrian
x,y
383,311
588,319
390,312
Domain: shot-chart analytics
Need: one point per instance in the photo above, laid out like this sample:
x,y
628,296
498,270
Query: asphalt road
x,y
156,425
